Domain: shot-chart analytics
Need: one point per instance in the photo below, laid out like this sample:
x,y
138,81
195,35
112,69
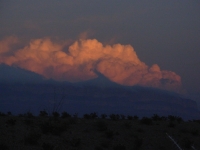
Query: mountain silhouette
x,y
22,90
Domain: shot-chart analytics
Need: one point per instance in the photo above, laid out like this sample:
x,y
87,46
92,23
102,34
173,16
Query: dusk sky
x,y
132,42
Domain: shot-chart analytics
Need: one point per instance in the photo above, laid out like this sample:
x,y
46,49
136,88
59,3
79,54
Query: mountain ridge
x,y
99,94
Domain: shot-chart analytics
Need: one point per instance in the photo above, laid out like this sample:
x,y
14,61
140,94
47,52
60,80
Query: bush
x,y
98,148
47,146
105,144
195,132
171,118
9,113
86,116
123,117
53,128
130,117
128,125
43,113
155,117
28,122
135,117
2,114
93,115
186,143
32,138
179,119
109,134
140,130
55,114
11,122
65,115
28,115
171,124
114,117
103,116
101,125
196,121
119,147
163,118
3,146
146,121
138,143
75,115
184,130
75,142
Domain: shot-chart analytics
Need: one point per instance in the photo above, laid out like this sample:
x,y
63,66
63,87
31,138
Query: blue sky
x,y
166,33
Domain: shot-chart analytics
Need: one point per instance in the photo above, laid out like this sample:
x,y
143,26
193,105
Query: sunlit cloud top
x,y
80,60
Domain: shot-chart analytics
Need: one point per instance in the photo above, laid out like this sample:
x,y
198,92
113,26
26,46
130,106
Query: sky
x,y
151,43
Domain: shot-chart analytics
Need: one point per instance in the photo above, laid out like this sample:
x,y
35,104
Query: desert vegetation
x,y
97,132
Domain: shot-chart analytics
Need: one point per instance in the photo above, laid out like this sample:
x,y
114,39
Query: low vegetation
x,y
92,131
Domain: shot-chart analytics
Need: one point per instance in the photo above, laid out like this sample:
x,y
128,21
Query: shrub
x,y
155,117
101,125
98,148
53,128
28,115
130,117
109,134
195,132
186,143
86,116
11,122
32,138
105,144
179,119
183,130
75,115
75,142
171,118
171,124
103,116
28,122
138,143
163,118
123,117
93,115
2,114
114,117
65,115
146,121
55,114
9,113
119,147
128,125
135,117
47,146
3,146
43,113
197,121
140,130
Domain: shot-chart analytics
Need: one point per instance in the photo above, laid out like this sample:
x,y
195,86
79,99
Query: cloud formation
x,y
81,59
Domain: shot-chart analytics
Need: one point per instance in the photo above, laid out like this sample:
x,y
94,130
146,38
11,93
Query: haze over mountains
x,y
22,91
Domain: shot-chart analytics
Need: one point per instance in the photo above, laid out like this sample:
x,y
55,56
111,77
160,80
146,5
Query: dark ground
x,y
92,132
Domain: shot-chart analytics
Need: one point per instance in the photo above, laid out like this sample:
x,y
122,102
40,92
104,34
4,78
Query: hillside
x,y
22,90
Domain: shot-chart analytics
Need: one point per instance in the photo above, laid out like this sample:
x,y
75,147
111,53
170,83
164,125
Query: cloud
x,y
117,62
7,43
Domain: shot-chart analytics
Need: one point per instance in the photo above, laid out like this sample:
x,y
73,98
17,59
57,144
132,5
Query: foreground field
x,y
91,132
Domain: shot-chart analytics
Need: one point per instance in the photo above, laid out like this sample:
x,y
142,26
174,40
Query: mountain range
x,y
22,91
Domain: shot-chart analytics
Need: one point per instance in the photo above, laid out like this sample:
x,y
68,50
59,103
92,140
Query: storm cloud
x,y
79,60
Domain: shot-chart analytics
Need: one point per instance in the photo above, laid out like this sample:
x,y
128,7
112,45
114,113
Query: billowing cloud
x,y
6,44
83,58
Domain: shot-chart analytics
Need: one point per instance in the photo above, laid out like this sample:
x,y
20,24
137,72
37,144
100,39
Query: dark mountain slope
x,y
28,91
